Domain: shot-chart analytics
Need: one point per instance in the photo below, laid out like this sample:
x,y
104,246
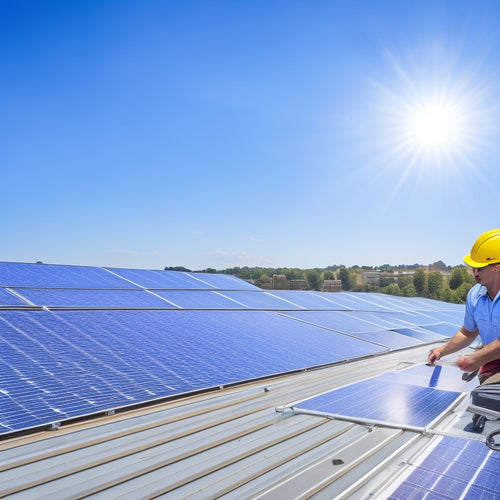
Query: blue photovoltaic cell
x,y
92,298
338,320
199,299
448,378
455,468
420,334
445,329
377,400
67,364
387,338
308,300
9,299
162,279
353,302
423,304
14,274
367,326
224,281
260,300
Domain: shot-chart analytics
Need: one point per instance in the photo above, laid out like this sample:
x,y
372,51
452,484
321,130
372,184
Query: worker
x,y
482,313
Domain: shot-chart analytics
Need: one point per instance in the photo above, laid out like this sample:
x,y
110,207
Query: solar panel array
x,y
455,468
76,340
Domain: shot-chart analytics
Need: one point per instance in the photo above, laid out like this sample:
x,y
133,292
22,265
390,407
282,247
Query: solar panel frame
x,y
388,404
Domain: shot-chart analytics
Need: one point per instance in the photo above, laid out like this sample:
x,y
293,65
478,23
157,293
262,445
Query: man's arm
x,y
461,339
471,362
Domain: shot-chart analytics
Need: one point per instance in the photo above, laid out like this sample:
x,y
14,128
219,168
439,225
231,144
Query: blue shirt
x,y
482,313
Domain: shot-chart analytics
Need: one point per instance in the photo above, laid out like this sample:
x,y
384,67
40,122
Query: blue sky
x,y
246,133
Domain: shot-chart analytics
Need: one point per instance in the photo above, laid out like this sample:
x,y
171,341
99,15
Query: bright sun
x,y
437,126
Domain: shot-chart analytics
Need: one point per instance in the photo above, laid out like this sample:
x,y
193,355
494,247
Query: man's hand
x,y
467,363
434,355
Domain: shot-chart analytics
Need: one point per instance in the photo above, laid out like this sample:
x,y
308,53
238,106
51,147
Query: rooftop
x,y
242,438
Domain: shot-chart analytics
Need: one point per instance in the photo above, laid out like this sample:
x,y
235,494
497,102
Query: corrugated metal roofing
x,y
228,444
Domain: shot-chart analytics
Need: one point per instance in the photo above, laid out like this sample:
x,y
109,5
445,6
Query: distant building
x,y
280,282
298,284
371,278
332,286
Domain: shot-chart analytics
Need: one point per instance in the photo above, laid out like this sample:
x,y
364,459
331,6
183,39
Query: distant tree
x,y
293,274
458,276
391,289
445,294
404,281
409,290
179,268
461,292
328,275
420,282
313,279
434,284
346,277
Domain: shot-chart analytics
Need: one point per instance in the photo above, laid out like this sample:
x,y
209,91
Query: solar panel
x,y
445,329
454,468
224,281
444,377
388,338
309,300
199,299
72,298
353,302
383,402
340,321
162,279
8,298
14,274
420,334
110,338
260,300
66,364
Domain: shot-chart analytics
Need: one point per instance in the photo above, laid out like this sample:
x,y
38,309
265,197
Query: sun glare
x,y
437,126
429,124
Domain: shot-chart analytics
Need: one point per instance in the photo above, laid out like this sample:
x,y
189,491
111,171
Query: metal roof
x,y
231,443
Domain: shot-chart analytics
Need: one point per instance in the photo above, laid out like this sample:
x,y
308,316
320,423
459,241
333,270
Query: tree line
x,y
422,283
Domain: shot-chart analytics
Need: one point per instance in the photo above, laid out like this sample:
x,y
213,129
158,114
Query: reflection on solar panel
x,y
14,274
369,326
161,279
224,281
92,298
448,378
87,340
261,300
196,299
9,299
455,468
73,363
383,402
309,300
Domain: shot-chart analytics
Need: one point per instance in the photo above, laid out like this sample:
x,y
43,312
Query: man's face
x,y
484,275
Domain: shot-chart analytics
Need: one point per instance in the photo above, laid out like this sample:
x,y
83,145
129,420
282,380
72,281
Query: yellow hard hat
x,y
486,250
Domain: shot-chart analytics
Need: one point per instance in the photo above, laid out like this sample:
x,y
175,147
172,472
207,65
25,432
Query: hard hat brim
x,y
472,263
